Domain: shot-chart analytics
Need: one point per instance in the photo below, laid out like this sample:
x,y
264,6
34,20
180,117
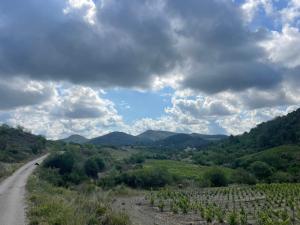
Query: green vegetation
x,y
278,164
207,181
265,204
188,171
8,168
17,145
53,205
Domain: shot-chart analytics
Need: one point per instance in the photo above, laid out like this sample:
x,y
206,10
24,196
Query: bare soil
x,y
141,213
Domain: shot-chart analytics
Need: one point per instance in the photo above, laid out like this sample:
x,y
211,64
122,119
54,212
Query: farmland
x,y
262,204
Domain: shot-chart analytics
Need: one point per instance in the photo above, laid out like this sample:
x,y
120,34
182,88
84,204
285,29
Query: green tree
x,y
64,162
91,168
261,169
216,177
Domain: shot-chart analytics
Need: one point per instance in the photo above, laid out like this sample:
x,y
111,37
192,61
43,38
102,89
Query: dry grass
x,y
50,205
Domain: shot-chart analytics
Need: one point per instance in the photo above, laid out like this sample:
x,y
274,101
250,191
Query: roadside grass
x,y
6,169
52,205
182,169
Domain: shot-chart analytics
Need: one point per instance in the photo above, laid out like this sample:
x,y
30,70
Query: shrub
x,y
216,177
100,163
147,178
241,176
281,177
113,218
137,158
261,169
91,168
64,162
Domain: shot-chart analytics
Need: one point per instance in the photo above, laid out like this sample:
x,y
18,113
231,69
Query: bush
x,y
241,176
91,168
216,177
147,178
64,162
281,177
113,218
261,169
100,163
137,158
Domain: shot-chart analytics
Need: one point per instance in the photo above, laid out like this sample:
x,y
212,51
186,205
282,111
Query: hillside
x,y
271,146
17,145
75,138
157,139
279,131
208,137
116,139
285,157
181,141
155,135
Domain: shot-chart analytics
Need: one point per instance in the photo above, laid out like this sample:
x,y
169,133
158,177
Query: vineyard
x,y
263,204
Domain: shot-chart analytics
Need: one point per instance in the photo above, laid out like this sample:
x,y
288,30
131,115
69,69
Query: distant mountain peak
x,y
115,138
155,135
75,138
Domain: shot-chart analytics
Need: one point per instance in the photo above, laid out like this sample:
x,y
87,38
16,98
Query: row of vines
x,y
263,204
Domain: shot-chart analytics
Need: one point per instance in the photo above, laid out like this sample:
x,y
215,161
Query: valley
x,y
119,181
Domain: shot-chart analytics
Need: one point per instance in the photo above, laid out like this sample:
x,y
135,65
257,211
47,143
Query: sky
x,y
90,67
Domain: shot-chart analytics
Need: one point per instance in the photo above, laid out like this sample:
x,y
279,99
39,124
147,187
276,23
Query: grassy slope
x,y
182,169
120,154
282,156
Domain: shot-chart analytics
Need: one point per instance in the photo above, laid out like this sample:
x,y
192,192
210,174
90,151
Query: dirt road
x,y
12,193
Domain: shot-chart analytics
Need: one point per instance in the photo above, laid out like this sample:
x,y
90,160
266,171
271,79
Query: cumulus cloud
x,y
284,47
256,99
75,109
291,13
136,44
79,102
129,45
56,55
19,93
252,7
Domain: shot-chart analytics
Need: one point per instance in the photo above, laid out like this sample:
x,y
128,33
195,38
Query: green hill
x,y
279,131
17,145
115,139
155,135
75,138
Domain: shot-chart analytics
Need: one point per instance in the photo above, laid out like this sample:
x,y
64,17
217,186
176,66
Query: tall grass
x,y
7,169
52,205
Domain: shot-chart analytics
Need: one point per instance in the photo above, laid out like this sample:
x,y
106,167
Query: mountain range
x,y
153,138
278,131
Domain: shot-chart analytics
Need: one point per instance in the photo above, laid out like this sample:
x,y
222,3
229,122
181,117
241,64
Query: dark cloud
x,y
12,96
235,76
133,41
127,47
223,54
83,112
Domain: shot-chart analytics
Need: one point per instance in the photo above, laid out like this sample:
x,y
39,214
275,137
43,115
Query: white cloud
x,y
87,6
18,92
291,13
284,47
252,7
75,109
